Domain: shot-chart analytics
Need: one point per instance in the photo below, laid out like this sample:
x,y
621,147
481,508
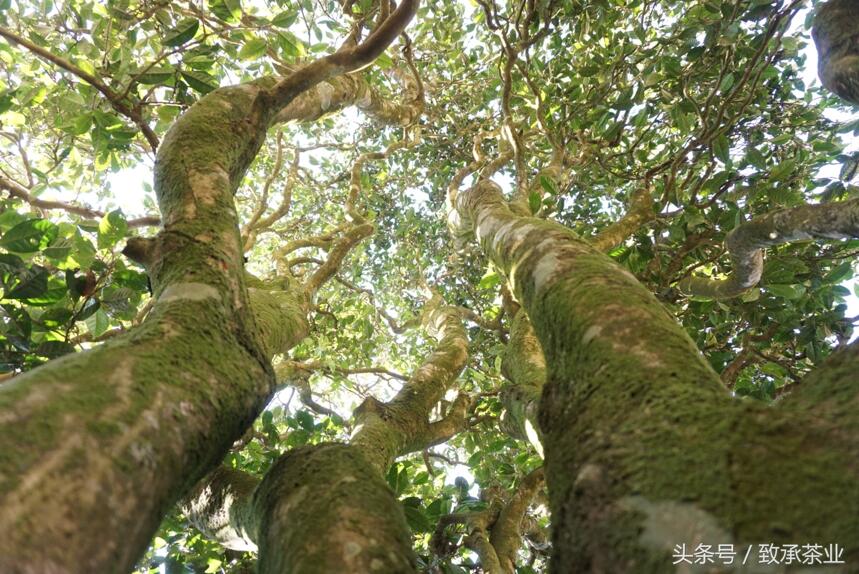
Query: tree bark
x,y
494,533
837,41
327,508
110,438
644,448
83,437
525,368
400,426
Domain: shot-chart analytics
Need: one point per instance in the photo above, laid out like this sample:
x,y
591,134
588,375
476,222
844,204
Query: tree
x,y
604,240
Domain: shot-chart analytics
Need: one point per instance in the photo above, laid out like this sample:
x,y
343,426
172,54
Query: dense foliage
x,y
654,126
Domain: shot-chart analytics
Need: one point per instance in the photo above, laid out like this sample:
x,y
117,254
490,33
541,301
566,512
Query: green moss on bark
x,y
639,434
325,509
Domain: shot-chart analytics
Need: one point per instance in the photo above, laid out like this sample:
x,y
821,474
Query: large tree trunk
x,y
319,509
644,448
98,445
326,508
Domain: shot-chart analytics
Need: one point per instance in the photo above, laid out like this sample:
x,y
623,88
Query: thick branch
x,y
387,430
525,367
837,41
116,399
506,533
336,255
746,243
640,212
345,60
325,492
495,533
221,507
634,417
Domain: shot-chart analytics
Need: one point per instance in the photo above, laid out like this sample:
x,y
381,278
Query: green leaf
x,y
56,317
305,419
98,323
490,280
32,282
291,45
839,273
549,185
726,83
398,478
849,168
79,125
756,158
200,81
29,236
183,32
534,202
787,291
285,19
59,249
54,293
84,251
384,61
417,520
253,49
226,10
783,169
5,102
89,309
155,76
118,299
722,148
10,263
16,326
54,349
751,295
111,229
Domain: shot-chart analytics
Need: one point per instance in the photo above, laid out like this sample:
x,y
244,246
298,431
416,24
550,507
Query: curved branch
x,y
746,243
345,60
495,533
640,212
336,256
506,534
387,430
317,366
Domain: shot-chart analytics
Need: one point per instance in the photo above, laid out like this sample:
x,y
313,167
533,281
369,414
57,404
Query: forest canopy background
x,y
649,128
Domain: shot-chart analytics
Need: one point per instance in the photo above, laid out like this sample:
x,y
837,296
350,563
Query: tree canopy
x,y
359,212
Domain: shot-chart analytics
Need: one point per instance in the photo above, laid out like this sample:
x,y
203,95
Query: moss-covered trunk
x,y
319,509
327,508
96,446
644,448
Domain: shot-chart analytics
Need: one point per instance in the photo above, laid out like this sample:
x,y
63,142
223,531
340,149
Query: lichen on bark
x,y
837,41
637,426
84,435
